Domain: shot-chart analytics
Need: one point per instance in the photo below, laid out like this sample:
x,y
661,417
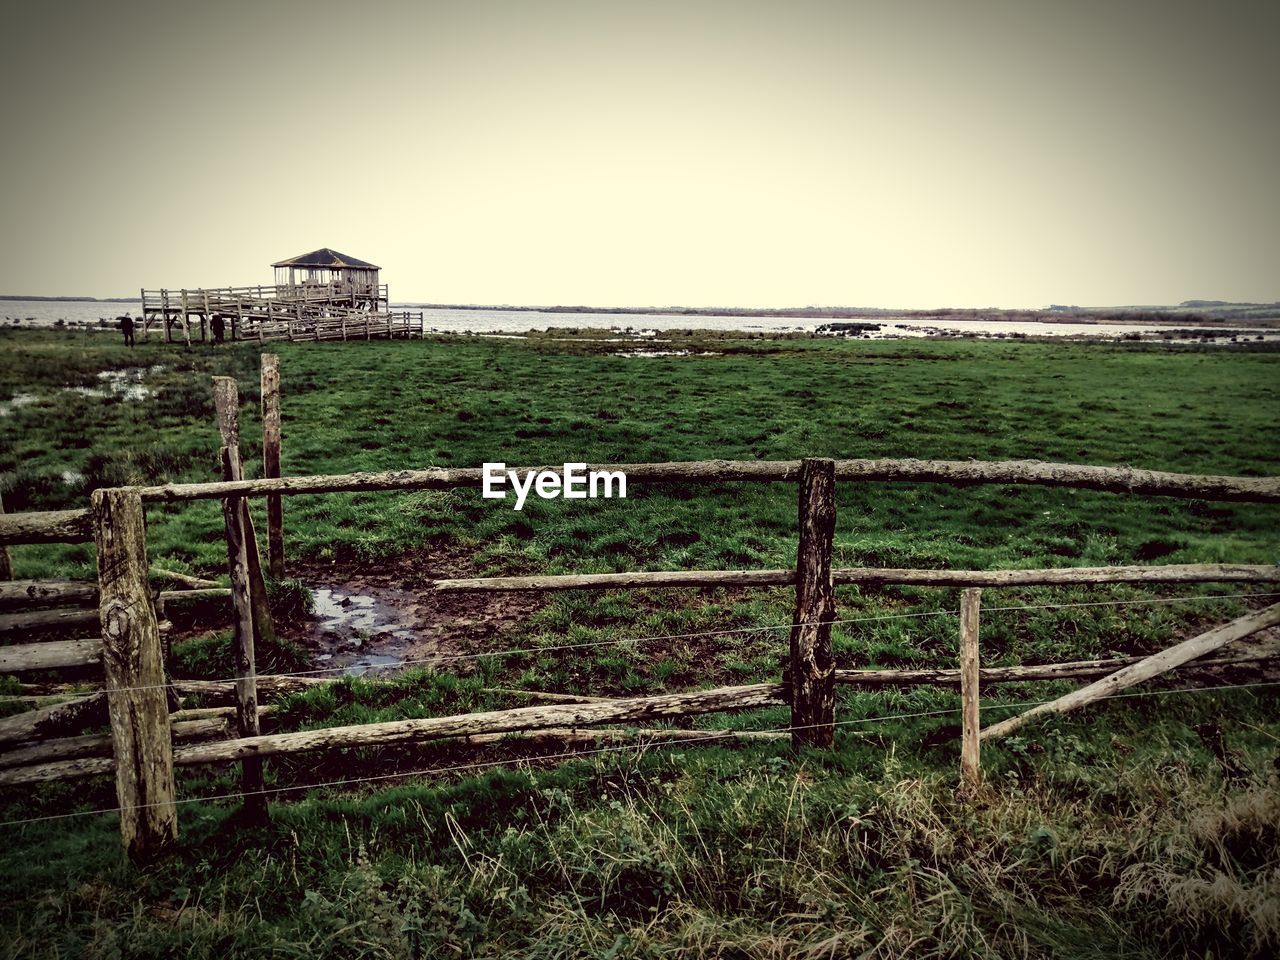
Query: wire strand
x,y
378,669
711,735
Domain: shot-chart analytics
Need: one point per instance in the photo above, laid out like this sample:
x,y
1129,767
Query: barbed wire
x,y
444,659
570,754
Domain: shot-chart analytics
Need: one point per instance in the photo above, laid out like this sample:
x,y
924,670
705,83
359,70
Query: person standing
x,y
126,327
219,328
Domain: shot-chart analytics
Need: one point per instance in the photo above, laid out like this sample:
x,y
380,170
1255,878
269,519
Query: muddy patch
x,y
388,621
358,632
126,383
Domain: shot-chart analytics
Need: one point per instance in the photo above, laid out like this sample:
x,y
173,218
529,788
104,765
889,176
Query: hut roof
x,y
324,257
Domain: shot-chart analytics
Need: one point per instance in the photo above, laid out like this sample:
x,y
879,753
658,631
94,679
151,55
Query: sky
x,y
906,154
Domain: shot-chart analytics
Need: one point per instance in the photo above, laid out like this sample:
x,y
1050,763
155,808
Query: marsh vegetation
x,y
1146,827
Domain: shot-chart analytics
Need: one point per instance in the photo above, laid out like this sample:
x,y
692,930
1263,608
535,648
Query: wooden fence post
x,y
970,771
235,514
6,564
133,663
271,462
813,698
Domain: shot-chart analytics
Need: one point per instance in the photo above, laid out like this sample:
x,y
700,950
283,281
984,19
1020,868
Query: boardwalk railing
x,y
170,300
323,311
143,731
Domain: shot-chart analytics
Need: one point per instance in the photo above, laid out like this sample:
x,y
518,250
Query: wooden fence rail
x,y
48,526
21,594
37,760
952,472
879,576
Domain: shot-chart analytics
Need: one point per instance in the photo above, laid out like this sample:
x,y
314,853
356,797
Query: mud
x,y
387,619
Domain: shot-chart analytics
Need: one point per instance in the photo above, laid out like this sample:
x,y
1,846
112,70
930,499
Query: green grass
x,y
1118,832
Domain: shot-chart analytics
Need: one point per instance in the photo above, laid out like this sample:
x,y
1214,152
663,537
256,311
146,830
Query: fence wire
x,y
711,735
617,641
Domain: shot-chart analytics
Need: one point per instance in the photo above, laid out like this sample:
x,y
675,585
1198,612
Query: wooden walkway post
x,y
168,323
133,663
186,325
235,514
970,770
271,462
813,696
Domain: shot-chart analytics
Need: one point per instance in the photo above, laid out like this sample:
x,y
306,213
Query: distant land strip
x,y
1189,311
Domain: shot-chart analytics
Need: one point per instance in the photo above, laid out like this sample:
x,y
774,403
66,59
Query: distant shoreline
x,y
1200,312
5,296
1209,313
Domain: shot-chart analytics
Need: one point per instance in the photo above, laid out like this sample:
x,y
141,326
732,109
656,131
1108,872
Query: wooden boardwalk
x,y
329,311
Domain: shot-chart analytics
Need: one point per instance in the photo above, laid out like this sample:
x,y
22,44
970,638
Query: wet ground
x,y
388,620
359,632
126,384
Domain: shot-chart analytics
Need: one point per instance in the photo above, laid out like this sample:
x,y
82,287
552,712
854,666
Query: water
x,y
126,384
358,632
73,313
15,402
101,314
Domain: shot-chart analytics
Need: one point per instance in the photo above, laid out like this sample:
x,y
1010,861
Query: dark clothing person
x,y
219,328
126,327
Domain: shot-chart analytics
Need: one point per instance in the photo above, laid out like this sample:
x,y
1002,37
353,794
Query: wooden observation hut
x,y
335,275
321,295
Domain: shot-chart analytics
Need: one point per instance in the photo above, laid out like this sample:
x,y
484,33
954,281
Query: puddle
x,y
357,632
125,384
665,353
16,401
385,622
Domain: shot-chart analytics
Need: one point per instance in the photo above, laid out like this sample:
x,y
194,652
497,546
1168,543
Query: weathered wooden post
x,y
813,691
6,564
186,325
970,770
164,315
133,663
271,462
235,515
145,319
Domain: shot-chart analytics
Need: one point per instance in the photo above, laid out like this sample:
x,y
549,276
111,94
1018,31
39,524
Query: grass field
x,y
1147,827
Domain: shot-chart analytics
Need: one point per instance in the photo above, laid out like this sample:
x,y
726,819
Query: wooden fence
x,y
147,740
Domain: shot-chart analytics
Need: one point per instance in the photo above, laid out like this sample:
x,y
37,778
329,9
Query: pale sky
x,y
712,154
